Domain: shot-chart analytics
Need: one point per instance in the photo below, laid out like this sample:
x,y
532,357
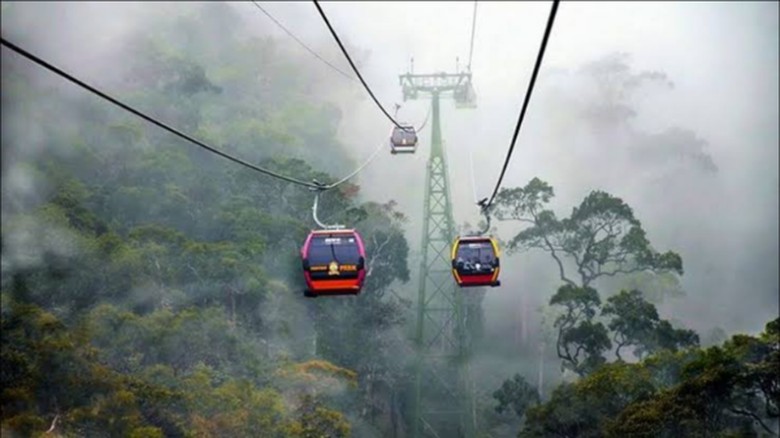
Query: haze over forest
x,y
108,221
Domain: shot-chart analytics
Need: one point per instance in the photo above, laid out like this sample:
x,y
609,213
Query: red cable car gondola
x,y
475,261
333,262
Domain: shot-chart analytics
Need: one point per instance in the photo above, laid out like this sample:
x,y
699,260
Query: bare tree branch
x,y
619,271
755,417
376,253
620,343
53,424
558,261
577,354
559,344
194,271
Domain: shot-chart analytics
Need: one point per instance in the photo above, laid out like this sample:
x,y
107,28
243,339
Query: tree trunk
x,y
541,370
524,320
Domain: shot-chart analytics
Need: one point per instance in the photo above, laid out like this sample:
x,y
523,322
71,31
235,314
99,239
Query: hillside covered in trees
x,y
151,289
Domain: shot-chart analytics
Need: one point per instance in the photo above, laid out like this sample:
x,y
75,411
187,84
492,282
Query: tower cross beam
x,y
436,84
433,82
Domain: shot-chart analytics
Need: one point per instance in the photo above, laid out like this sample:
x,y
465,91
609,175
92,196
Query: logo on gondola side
x,y
333,268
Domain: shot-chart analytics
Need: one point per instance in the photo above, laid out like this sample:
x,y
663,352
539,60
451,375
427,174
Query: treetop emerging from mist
x,y
601,236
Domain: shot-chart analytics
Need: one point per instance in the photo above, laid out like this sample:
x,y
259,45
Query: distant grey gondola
x,y
403,141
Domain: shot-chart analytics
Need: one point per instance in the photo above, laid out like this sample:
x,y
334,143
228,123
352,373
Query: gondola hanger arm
x,y
320,187
484,208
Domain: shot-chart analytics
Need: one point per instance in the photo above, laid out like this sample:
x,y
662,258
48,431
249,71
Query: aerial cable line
x,y
483,205
357,72
150,119
321,188
539,58
355,172
325,61
473,177
425,122
312,185
473,29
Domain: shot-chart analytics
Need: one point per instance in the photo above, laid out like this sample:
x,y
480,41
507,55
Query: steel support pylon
x,y
443,403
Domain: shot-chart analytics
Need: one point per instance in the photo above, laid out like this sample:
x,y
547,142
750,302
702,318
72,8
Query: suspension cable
x,y
312,185
281,26
150,119
484,208
527,99
425,122
473,29
357,72
319,188
356,171
473,178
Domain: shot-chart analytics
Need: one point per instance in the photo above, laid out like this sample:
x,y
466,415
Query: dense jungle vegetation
x,y
150,289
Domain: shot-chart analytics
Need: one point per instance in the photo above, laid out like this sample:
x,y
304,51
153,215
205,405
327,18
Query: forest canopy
x,y
152,289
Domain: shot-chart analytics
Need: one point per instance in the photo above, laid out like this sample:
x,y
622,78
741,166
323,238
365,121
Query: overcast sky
x,y
722,58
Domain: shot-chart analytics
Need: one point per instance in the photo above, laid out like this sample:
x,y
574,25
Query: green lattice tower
x,y
443,403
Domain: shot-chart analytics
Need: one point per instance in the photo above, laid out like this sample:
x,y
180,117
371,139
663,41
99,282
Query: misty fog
x,y
697,159
722,61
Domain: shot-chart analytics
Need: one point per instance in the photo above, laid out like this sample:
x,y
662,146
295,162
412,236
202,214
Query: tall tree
x,y
517,394
724,390
601,238
635,322
578,333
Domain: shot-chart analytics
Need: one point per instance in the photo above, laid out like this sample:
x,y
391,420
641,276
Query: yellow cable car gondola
x,y
475,258
475,261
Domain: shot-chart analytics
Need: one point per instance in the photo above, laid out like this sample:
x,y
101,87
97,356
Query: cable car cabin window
x,y
475,258
334,257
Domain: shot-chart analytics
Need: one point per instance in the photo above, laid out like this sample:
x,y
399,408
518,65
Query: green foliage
x,y
655,287
600,239
582,300
156,287
634,321
97,381
584,408
316,421
519,202
578,333
55,370
235,408
516,393
669,338
719,391
601,236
